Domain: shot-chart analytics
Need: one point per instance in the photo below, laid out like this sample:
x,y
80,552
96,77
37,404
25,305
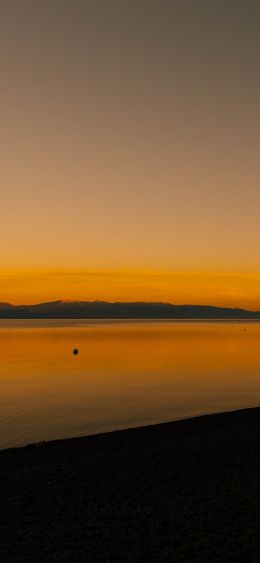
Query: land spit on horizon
x,y
122,310
186,491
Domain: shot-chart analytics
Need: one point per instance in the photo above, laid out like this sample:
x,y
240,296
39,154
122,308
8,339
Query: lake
x,y
127,373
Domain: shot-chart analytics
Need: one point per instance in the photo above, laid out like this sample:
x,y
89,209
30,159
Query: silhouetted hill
x,y
105,310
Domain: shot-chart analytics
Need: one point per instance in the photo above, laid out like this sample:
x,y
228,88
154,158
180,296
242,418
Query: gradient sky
x,y
129,162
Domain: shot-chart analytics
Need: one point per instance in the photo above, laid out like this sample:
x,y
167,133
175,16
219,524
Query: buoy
x,y
75,351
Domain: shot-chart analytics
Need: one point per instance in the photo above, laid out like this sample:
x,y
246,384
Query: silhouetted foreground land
x,y
185,491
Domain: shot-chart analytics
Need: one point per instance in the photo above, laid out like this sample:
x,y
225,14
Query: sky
x,y
129,157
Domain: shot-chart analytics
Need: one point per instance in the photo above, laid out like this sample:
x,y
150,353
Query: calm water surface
x,y
127,373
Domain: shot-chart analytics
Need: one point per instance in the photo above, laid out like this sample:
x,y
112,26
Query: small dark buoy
x,y
75,351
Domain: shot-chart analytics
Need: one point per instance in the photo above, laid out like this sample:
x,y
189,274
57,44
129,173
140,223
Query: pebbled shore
x,y
186,491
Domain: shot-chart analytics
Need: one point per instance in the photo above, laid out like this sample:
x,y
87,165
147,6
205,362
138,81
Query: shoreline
x,y
135,319
143,427
182,491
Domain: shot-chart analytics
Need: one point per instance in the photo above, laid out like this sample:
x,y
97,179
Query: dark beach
x,y
186,491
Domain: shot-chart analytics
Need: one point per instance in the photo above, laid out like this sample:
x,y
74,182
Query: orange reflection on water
x,y
126,374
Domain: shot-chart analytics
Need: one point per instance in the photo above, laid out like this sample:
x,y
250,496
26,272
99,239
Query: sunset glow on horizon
x,y
205,288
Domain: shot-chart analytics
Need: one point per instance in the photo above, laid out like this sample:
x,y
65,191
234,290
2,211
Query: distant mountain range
x,y
105,310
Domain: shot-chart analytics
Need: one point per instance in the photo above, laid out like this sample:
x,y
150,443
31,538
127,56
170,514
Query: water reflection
x,y
126,374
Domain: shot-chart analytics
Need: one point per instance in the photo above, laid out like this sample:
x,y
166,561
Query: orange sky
x,y
228,289
130,138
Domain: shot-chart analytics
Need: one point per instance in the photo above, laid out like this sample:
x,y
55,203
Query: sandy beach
x,y
186,491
